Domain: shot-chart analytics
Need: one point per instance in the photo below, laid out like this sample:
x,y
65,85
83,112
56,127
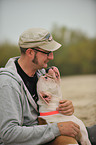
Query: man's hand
x,y
69,128
65,107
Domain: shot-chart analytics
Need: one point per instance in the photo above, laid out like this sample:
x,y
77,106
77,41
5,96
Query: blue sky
x,y
19,15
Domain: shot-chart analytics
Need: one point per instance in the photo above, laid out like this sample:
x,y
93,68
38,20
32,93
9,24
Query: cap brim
x,y
50,46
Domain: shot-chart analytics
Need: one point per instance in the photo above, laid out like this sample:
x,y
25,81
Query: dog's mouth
x,y
45,97
49,76
53,73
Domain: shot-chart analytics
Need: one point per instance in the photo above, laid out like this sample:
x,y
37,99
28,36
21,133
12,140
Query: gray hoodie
x,y
18,111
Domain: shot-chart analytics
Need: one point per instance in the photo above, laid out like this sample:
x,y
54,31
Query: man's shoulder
x,y
8,76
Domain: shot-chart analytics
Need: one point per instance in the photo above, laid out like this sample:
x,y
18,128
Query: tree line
x,y
77,54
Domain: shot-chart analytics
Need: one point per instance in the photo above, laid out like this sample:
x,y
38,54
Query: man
x,y
18,96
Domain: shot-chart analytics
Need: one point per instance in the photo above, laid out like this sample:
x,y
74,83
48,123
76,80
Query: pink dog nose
x,y
48,69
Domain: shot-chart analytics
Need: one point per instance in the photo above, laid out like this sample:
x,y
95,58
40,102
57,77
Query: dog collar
x,y
49,113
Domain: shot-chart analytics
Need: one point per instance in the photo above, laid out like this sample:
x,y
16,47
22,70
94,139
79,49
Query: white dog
x,y
49,92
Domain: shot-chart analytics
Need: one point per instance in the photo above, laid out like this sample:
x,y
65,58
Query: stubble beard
x,y
35,60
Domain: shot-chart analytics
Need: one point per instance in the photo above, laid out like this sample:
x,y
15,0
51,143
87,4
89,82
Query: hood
x,y
10,69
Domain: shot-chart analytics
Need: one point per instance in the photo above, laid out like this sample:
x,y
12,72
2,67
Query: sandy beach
x,y
81,90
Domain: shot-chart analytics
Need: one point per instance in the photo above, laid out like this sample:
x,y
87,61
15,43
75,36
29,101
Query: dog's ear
x,y
45,97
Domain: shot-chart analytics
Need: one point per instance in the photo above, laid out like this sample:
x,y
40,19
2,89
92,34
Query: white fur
x,y
52,87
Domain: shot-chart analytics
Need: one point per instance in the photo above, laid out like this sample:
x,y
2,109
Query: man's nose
x,y
51,56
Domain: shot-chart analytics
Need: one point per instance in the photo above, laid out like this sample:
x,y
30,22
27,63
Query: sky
x,y
18,15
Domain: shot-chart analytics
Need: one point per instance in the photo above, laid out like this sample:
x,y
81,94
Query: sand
x,y
81,90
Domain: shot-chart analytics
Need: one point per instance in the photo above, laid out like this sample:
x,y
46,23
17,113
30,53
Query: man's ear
x,y
29,52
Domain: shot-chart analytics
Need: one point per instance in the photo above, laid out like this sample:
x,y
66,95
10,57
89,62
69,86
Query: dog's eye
x,y
45,96
46,78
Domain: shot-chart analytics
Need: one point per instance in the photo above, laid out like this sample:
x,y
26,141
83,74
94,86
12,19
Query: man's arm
x,y
11,128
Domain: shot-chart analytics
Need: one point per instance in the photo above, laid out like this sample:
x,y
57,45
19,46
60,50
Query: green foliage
x,y
76,56
7,51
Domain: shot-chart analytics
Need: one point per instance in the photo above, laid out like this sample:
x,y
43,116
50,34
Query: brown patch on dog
x,y
41,121
62,140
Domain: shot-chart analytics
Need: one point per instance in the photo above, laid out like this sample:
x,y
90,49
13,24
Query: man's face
x,y
42,57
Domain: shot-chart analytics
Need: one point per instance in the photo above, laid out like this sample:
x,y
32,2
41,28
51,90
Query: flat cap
x,y
38,37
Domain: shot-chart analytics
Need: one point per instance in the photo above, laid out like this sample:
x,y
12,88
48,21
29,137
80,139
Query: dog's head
x,y
48,84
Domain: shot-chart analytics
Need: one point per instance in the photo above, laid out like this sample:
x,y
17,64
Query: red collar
x,y
49,113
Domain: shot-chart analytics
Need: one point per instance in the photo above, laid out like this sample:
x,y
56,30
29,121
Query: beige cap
x,y
38,37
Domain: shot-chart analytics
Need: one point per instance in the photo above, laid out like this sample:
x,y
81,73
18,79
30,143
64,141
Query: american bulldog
x,y
49,92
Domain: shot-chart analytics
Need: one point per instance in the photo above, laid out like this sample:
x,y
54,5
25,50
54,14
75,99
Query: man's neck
x,y
26,66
